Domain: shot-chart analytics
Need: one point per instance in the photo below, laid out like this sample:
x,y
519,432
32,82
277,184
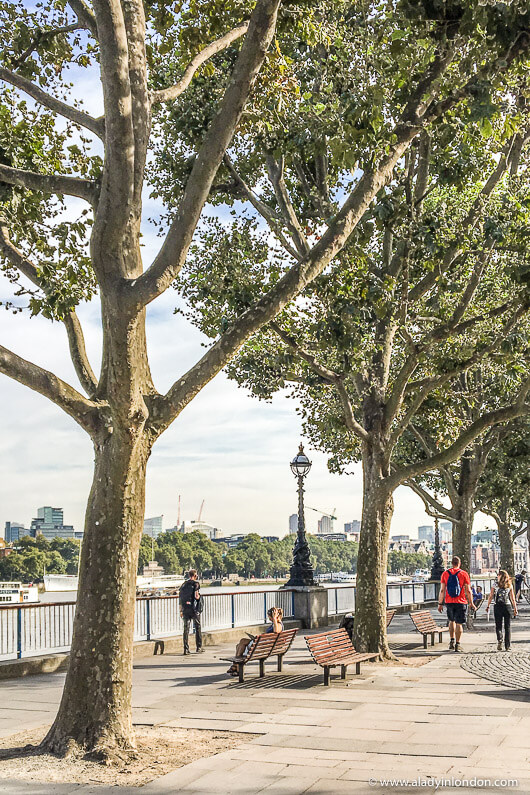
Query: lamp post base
x,y
300,576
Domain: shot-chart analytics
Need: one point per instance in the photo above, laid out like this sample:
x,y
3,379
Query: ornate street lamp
x,y
301,570
437,559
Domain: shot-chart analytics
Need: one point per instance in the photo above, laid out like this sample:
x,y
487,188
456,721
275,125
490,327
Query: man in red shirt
x,y
455,591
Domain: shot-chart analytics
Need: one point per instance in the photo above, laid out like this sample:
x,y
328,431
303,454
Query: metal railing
x,y
341,598
29,630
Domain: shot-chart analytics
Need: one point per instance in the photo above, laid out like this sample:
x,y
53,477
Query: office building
x,y
14,531
352,527
153,526
51,516
426,533
293,523
400,539
325,525
446,532
49,523
482,536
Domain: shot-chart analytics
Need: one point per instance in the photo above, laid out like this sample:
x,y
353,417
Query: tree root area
x,y
159,751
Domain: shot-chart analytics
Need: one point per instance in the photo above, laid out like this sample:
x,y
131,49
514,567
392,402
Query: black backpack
x,y
187,597
346,623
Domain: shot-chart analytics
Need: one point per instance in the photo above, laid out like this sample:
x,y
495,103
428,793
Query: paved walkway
x,y
439,720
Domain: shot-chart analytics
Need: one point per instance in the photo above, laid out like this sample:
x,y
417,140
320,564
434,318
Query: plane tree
x,y
433,284
451,492
504,490
71,213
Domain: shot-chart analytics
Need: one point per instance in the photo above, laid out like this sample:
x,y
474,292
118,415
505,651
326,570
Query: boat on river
x,y
15,593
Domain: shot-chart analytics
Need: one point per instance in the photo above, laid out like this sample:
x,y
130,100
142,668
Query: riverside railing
x,y
29,630
341,599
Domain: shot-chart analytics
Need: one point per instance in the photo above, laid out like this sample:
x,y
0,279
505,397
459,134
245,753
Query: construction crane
x,y
178,515
200,511
330,515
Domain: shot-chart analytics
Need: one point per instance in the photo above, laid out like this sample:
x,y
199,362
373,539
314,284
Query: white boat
x,y
13,593
57,583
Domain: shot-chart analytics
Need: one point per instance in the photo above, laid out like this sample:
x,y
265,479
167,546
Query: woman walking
x,y
502,595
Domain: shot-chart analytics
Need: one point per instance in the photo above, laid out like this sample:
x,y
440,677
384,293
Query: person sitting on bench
x,y
275,614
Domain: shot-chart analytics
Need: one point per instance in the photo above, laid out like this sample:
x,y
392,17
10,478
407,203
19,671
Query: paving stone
x,y
510,669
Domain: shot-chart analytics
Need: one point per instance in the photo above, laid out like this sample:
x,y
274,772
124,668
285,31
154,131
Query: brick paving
x,y
437,720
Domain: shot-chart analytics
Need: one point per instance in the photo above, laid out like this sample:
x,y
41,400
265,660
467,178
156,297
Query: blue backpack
x,y
453,584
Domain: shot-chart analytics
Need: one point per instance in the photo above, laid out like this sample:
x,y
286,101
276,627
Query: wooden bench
x,y
389,616
270,644
331,649
426,625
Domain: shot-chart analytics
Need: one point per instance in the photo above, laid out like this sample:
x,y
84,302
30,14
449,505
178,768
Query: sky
x,y
226,448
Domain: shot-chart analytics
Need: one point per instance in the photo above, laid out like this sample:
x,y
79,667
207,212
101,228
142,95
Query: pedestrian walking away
x,y
502,596
455,592
190,610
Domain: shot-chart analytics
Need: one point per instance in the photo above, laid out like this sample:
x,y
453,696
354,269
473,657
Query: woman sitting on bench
x,y
275,614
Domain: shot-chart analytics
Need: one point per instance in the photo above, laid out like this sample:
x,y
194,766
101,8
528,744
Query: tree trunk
x,y
370,603
465,512
95,710
506,543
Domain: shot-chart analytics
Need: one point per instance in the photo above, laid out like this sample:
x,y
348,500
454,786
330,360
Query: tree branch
x,y
430,502
264,210
85,412
275,171
40,36
333,378
76,341
85,16
96,126
172,254
455,450
174,91
73,326
118,179
472,217
50,183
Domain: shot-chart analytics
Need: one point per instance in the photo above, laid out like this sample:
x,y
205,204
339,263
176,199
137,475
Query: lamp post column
x,y
437,559
301,571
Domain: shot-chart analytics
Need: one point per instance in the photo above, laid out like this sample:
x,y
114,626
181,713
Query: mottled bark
x,y
502,519
370,605
465,511
95,710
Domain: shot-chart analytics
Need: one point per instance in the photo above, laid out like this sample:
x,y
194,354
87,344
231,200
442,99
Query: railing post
x,y
148,619
336,601
19,633
292,603
233,611
264,607
401,594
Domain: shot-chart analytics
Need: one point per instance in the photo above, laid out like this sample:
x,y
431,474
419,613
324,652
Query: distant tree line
x,y
178,552
33,557
408,562
254,557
